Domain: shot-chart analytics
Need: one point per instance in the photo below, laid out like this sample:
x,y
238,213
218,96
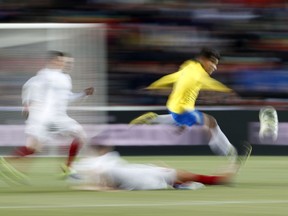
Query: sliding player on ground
x,y
106,170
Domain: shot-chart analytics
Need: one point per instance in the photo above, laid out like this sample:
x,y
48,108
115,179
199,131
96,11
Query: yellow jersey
x,y
187,83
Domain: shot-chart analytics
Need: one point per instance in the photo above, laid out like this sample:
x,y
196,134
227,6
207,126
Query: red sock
x,y
23,151
73,151
209,180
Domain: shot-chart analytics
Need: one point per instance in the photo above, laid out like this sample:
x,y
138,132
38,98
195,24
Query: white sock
x,y
219,143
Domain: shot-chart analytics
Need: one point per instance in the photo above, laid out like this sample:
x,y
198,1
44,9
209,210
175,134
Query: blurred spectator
x,y
148,38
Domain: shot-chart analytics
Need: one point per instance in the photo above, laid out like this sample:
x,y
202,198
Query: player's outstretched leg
x,y
223,178
144,119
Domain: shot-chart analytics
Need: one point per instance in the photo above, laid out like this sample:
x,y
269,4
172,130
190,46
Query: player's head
x,y
101,149
56,59
68,63
209,59
99,144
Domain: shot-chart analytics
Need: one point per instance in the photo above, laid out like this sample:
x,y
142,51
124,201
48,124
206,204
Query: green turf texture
x,y
261,188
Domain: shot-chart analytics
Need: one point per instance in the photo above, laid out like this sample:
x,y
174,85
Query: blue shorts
x,y
188,118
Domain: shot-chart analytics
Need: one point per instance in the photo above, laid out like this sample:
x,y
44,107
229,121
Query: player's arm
x,y
25,103
208,83
218,91
25,112
164,82
216,97
29,93
73,97
80,95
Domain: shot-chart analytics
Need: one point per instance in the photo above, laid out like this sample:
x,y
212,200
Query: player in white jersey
x,y
108,170
111,171
47,96
45,99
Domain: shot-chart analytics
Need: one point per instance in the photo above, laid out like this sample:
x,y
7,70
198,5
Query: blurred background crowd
x,y
147,39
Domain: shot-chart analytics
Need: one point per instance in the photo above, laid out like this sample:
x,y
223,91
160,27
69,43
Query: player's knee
x,y
210,121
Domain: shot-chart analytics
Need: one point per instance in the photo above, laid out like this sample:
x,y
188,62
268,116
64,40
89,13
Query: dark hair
x,y
98,148
54,54
209,53
99,142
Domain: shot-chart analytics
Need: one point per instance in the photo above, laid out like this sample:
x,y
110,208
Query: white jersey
x,y
112,171
47,95
50,91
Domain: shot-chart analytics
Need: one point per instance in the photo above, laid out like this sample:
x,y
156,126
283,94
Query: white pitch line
x,y
192,203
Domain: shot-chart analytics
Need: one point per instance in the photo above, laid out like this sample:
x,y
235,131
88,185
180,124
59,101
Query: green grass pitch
x,y
261,188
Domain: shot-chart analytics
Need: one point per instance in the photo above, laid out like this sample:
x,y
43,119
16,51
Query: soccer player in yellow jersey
x,y
193,76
